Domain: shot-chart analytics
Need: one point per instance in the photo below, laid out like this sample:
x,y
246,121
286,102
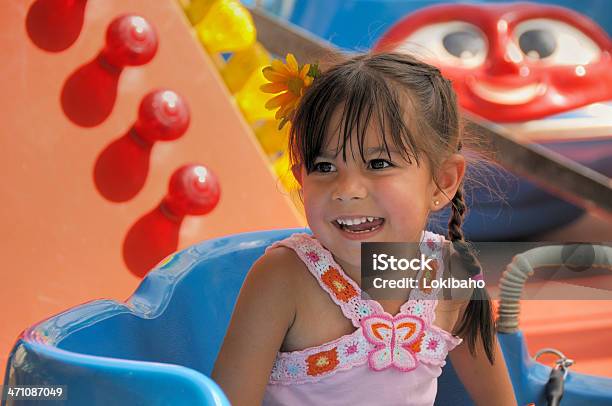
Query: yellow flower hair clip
x,y
290,79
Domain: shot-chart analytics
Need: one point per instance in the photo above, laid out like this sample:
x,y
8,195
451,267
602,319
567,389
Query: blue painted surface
x,y
159,347
358,24
522,208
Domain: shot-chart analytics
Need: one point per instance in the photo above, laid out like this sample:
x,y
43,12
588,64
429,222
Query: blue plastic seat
x,y
160,346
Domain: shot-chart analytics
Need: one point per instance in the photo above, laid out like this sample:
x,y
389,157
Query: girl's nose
x,y
348,188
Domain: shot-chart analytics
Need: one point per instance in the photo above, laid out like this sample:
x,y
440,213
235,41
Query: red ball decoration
x,y
163,116
193,190
130,41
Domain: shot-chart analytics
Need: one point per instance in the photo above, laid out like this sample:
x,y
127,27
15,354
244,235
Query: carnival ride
x,y
137,137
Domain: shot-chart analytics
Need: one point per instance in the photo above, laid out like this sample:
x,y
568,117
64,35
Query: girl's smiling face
x,y
392,194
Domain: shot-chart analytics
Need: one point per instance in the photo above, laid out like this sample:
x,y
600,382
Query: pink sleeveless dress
x,y
387,360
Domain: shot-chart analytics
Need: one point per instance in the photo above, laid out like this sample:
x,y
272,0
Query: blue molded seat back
x,y
156,348
182,308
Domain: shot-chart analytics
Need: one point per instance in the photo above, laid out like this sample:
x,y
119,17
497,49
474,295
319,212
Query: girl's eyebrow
x,y
330,155
381,149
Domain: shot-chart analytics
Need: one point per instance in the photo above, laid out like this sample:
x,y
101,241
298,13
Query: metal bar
x,y
561,176
281,37
549,170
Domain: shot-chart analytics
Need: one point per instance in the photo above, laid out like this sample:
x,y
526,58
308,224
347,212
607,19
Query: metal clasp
x,y
563,362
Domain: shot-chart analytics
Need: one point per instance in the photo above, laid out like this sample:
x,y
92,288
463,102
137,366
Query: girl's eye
x,y
380,163
324,167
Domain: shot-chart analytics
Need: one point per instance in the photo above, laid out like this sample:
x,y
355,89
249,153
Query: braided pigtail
x,y
478,317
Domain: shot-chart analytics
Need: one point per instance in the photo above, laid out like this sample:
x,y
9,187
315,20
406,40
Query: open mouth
x,y
359,225
508,95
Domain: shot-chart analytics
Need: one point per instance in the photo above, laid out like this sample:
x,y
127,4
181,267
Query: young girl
x,y
375,142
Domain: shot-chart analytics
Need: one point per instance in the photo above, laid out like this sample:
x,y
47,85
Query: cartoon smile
x,y
507,95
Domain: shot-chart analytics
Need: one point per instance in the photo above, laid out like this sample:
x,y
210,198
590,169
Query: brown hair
x,y
387,85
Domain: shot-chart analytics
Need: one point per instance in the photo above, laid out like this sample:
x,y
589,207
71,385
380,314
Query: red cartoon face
x,y
511,62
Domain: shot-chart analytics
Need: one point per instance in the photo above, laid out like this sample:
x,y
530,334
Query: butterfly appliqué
x,y
392,337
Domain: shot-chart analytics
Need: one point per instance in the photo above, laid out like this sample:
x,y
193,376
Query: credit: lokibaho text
x,y
448,283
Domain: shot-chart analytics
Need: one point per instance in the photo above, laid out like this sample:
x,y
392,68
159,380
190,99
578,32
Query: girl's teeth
x,y
353,222
346,224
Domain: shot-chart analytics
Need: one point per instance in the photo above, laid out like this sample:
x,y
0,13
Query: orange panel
x,y
63,240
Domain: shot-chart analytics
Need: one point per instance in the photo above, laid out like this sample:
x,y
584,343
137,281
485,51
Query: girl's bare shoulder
x,y
280,266
281,262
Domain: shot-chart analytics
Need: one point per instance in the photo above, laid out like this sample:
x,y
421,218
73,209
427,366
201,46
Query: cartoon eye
x,y
537,44
554,42
463,44
453,42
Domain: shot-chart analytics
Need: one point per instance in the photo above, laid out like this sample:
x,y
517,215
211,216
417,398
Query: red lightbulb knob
x,y
130,41
193,190
163,116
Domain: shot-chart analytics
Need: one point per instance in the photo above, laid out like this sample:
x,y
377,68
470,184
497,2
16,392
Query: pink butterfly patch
x,y
431,244
392,338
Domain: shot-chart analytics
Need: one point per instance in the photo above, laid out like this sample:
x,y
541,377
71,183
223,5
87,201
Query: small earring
x,y
436,202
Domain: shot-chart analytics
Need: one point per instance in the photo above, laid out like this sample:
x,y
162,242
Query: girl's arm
x,y
263,314
487,384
